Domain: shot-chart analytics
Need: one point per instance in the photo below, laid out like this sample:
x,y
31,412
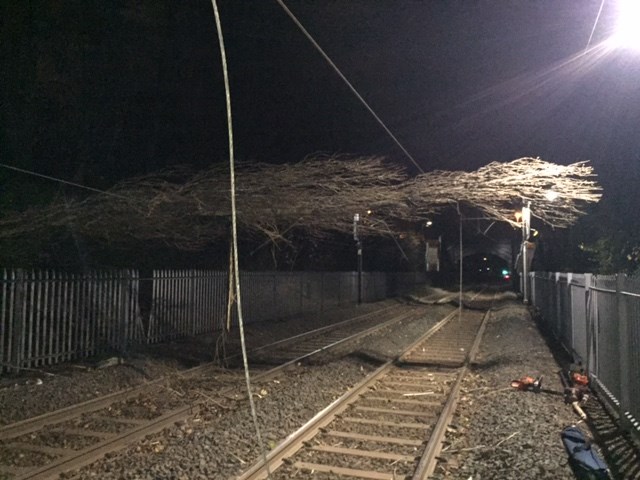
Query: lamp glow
x,y
627,34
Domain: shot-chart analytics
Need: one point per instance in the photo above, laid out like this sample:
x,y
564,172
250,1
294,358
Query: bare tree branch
x,y
319,194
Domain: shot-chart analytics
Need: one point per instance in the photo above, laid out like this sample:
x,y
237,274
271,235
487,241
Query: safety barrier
x,y
597,319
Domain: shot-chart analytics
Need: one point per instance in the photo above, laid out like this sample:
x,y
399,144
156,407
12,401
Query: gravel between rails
x,y
502,433
221,443
38,392
497,432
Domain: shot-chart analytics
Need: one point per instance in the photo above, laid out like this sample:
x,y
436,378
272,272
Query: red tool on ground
x,y
528,383
576,391
577,375
578,378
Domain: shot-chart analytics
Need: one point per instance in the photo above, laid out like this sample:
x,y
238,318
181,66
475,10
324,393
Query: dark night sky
x,y
95,91
459,83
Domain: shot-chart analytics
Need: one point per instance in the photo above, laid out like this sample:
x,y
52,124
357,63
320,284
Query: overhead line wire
x,y
59,180
595,24
346,81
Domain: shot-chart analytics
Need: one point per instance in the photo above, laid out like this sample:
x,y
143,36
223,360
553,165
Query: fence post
x,y
19,321
568,315
4,327
590,322
557,331
532,286
125,292
623,332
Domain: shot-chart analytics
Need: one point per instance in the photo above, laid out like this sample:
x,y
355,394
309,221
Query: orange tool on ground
x,y
528,383
579,379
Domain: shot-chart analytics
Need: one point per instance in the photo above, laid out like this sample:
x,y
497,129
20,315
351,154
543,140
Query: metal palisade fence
x,y
597,319
49,317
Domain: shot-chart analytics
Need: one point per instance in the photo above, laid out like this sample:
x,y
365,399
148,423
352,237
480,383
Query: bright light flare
x,y
627,33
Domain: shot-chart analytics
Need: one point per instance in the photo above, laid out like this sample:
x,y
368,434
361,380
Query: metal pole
x,y
461,266
356,219
624,334
524,270
359,246
526,231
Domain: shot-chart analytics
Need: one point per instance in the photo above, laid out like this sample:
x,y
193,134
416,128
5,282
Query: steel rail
x,y
141,429
428,462
316,331
88,455
332,345
33,424
294,442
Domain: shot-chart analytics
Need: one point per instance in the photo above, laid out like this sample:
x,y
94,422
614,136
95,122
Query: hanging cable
x,y
59,180
595,24
351,87
234,235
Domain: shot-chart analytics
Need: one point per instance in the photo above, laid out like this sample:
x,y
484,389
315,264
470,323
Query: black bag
x,y
585,461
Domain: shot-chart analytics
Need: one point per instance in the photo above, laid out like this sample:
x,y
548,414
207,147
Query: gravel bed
x,y
70,385
23,458
54,438
497,432
102,425
220,444
38,392
502,433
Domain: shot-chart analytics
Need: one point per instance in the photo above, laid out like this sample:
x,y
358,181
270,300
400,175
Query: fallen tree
x,y
318,195
498,189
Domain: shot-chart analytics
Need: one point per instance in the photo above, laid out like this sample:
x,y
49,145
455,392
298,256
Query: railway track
x,y
75,436
298,348
391,425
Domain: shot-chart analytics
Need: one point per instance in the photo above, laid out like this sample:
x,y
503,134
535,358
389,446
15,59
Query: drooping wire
x,y
234,235
595,24
346,81
59,180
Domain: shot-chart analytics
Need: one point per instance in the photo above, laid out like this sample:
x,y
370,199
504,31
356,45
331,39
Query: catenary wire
x,y
595,24
59,180
346,81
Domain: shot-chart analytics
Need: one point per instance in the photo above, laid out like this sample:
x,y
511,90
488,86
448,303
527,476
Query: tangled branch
x,y
498,189
319,194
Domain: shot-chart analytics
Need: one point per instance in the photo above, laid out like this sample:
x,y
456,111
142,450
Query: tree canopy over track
x,y
319,195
